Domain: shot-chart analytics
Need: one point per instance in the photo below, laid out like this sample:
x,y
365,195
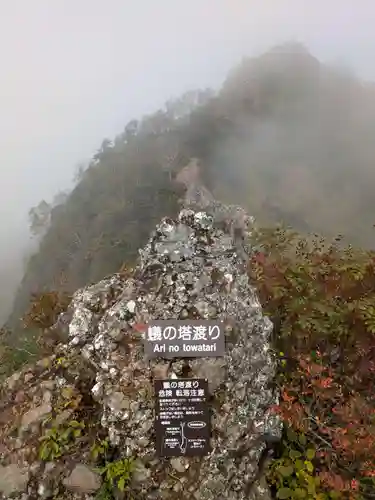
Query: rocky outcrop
x,y
98,384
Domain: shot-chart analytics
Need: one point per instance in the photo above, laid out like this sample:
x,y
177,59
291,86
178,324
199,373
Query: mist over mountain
x,y
71,80
288,137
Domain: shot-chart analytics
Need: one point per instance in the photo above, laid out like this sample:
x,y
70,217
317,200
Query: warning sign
x,y
182,419
184,338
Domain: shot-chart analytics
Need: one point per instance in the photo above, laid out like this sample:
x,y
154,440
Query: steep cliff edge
x,y
92,402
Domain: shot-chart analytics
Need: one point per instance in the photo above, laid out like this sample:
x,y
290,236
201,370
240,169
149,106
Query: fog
x,y
74,72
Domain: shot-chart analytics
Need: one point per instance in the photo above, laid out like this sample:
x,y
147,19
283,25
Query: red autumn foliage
x,y
322,300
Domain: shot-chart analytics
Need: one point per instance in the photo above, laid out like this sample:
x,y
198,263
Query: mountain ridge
x,y
273,138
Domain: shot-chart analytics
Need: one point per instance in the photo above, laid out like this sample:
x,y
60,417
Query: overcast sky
x,y
75,71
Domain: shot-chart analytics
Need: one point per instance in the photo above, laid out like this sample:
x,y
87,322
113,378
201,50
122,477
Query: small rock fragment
x,y
178,464
140,473
11,382
118,402
83,480
35,415
29,376
20,397
13,479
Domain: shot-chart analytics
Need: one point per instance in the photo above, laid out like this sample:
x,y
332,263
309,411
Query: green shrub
x,y
100,449
116,475
292,474
57,440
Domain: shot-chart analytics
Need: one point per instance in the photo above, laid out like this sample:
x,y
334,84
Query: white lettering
x,y
159,348
199,348
211,330
184,332
169,333
174,348
200,332
154,333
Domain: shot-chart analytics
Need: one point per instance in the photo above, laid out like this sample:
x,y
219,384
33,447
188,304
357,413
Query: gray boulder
x,y
193,266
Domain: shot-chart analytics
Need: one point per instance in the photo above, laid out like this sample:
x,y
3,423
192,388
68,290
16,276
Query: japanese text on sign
x,y
185,338
182,423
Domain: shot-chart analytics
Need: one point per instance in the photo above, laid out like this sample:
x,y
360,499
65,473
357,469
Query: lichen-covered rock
x,y
189,268
192,267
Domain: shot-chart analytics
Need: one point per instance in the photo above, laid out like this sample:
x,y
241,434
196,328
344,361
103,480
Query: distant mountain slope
x,y
286,136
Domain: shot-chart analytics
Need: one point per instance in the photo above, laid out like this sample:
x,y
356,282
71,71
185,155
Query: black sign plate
x,y
184,339
182,419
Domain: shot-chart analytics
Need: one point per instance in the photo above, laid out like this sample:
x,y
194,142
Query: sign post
x,y
184,339
182,419
182,416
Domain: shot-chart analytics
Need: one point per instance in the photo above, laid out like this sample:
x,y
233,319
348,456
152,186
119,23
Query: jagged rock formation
x,y
191,267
